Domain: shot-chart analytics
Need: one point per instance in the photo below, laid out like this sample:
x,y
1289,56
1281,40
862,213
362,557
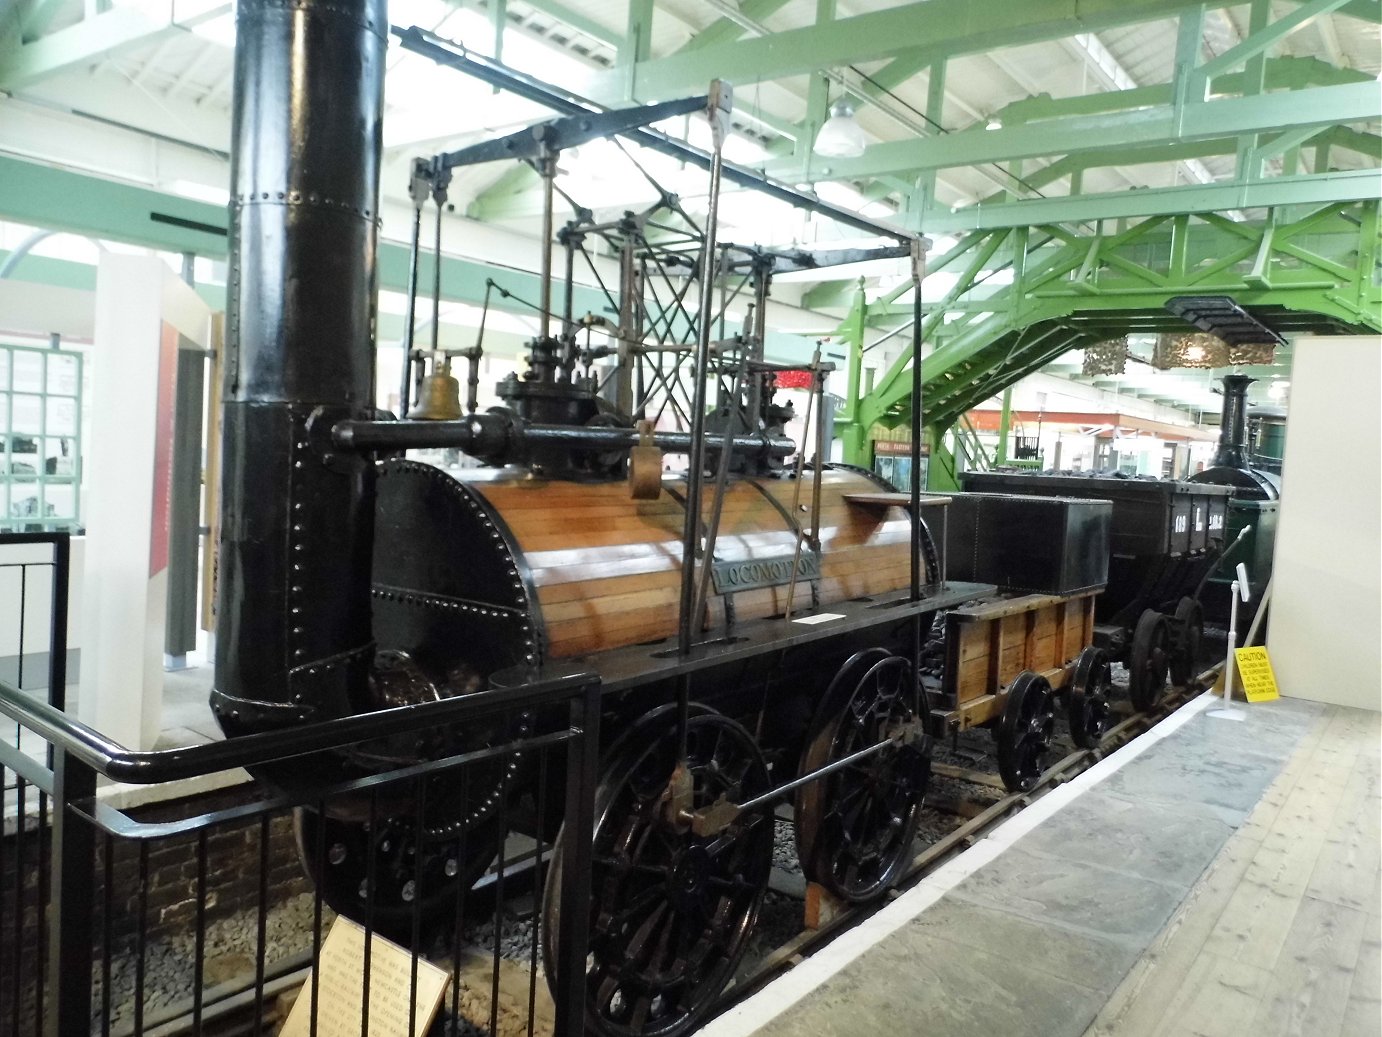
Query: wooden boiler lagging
x,y
558,569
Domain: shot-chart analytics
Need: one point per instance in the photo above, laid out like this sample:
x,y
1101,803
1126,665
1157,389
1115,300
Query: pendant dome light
x,y
841,136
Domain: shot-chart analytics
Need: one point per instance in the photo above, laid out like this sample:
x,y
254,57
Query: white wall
x,y
143,313
1325,627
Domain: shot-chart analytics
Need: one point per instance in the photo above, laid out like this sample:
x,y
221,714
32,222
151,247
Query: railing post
x,y
573,926
70,914
57,638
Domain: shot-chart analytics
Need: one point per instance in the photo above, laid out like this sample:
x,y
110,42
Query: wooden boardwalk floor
x,y
1282,935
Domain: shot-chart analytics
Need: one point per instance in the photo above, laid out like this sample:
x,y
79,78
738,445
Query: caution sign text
x,y
1255,669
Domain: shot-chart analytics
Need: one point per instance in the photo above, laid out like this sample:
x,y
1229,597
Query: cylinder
x,y
293,572
1233,424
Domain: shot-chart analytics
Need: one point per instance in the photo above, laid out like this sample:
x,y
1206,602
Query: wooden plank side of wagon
x,y
989,644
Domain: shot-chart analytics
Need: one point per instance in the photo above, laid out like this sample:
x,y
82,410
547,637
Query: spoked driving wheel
x,y
855,826
1087,698
1149,665
1188,628
670,910
1024,731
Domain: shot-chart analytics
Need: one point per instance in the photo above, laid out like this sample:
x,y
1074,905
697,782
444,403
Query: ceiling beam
x,y
89,41
1259,41
928,31
581,22
61,199
94,39
1323,188
1281,74
1316,106
726,29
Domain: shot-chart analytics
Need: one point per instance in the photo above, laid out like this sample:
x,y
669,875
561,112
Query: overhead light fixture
x,y
994,123
841,136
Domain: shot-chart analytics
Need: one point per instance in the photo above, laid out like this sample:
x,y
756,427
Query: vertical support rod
x,y
410,317
822,444
71,911
718,114
918,275
630,333
436,280
547,168
57,634
573,924
568,305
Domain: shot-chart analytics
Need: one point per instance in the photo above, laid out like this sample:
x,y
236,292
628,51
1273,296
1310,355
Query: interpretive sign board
x,y
341,989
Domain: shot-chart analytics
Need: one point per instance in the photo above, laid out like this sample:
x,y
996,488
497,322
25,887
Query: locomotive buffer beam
x,y
499,438
717,817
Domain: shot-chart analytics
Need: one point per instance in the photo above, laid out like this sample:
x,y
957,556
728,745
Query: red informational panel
x,y
796,380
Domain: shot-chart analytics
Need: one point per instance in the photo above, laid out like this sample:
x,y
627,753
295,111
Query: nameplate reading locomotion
x,y
729,577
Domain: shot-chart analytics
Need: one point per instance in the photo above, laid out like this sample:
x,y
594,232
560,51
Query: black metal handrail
x,y
113,760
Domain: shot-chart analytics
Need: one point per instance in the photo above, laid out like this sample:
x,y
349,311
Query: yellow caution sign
x,y
1255,669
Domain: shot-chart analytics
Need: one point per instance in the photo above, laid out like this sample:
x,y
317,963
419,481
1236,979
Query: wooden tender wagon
x,y
1006,659
1005,662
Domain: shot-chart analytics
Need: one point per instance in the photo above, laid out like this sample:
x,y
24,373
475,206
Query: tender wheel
x,y
670,911
412,877
1189,632
855,826
1024,731
1087,698
1149,665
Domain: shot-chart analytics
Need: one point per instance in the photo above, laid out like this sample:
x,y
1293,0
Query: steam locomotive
x,y
757,621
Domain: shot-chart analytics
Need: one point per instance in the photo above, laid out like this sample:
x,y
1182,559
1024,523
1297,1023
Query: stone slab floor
x,y
1224,882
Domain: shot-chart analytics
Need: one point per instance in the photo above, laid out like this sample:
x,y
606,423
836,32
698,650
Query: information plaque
x,y
341,985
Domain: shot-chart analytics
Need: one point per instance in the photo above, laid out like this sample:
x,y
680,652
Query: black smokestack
x,y
293,608
1233,423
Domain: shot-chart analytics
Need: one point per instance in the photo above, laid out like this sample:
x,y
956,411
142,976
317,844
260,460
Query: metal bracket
x,y
719,103
920,246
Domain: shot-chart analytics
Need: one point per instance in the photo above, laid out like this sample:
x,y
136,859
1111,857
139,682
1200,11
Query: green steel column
x,y
1254,82
1004,424
817,111
853,434
935,108
1189,39
1370,227
940,469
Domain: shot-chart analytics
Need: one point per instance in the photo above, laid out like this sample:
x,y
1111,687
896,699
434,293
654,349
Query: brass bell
x,y
439,397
